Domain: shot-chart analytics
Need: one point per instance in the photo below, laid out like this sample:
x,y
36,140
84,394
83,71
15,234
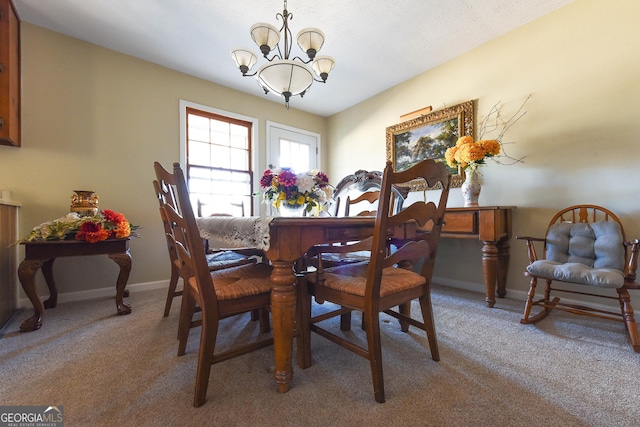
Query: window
x,y
292,148
218,163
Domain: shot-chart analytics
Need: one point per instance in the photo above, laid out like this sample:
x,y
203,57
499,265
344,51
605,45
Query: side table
x,y
41,254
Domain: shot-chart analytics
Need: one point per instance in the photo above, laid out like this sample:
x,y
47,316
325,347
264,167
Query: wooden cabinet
x,y
9,74
8,260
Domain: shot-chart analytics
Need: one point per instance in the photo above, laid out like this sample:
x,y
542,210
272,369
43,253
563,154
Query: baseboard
x,y
164,284
477,287
98,293
518,294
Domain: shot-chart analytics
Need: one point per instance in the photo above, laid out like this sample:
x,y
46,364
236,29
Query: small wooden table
x,y
42,254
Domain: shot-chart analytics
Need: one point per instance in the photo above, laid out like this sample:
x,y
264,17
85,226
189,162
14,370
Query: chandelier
x,y
281,75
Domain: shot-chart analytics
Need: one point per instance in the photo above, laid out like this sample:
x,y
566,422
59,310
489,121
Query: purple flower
x,y
267,179
324,179
287,178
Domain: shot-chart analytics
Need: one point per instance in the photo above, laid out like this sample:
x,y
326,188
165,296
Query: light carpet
x,y
110,370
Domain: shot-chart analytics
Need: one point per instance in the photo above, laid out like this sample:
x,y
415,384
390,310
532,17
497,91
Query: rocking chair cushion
x,y
589,254
597,245
576,272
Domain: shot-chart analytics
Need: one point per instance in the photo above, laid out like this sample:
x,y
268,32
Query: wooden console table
x,y
492,226
42,254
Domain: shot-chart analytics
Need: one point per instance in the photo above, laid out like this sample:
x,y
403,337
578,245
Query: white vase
x,y
291,211
471,188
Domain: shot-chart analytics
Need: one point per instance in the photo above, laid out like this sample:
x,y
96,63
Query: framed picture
x,y
428,137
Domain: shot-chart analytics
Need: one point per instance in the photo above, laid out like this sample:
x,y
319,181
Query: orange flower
x,y
450,155
490,146
464,140
122,230
92,232
113,217
468,153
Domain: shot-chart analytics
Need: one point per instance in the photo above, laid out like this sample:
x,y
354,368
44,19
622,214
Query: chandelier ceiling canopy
x,y
282,75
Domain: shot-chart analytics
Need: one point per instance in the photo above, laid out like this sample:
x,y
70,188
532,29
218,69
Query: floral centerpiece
x,y
310,191
469,154
103,225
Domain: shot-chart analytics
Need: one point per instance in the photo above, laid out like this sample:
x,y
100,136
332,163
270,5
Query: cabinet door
x,y
9,74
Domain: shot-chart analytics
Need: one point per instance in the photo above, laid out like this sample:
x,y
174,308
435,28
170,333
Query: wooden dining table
x,y
286,239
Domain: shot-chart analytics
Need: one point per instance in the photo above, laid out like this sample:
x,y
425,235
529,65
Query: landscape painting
x,y
428,137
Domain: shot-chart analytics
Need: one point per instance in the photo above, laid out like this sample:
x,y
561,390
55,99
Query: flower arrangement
x,y
104,225
469,154
310,190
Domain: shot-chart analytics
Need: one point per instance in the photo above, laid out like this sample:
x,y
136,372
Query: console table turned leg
x,y
503,267
124,261
27,273
490,267
47,272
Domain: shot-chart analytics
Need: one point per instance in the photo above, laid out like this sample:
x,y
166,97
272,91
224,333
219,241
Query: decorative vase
x,y
84,203
471,188
291,210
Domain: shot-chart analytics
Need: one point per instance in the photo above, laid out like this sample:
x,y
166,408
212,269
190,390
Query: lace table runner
x,y
229,232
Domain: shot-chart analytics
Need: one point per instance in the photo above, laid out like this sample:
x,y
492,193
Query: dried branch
x,y
493,121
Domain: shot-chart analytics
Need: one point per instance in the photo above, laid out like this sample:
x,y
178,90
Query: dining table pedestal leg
x,y
283,306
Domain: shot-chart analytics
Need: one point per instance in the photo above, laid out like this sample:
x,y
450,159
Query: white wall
x,y
580,134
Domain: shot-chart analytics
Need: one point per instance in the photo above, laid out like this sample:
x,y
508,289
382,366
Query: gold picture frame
x,y
429,136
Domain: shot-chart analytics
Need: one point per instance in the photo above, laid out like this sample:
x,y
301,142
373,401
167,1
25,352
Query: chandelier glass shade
x,y
281,75
285,77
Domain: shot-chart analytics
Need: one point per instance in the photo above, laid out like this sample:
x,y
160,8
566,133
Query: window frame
x,y
186,106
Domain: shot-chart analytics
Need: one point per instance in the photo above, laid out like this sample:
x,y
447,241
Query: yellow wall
x,y
94,119
580,133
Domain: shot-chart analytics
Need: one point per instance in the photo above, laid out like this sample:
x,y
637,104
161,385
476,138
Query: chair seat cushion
x,y
338,259
598,245
352,279
577,273
241,281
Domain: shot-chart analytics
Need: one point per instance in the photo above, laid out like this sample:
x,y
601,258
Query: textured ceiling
x,y
376,43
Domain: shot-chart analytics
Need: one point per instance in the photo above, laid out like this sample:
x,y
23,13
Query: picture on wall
x,y
428,137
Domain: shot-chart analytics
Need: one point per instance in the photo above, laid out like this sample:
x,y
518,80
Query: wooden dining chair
x,y
358,194
164,186
358,183
219,294
388,279
585,245
371,197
